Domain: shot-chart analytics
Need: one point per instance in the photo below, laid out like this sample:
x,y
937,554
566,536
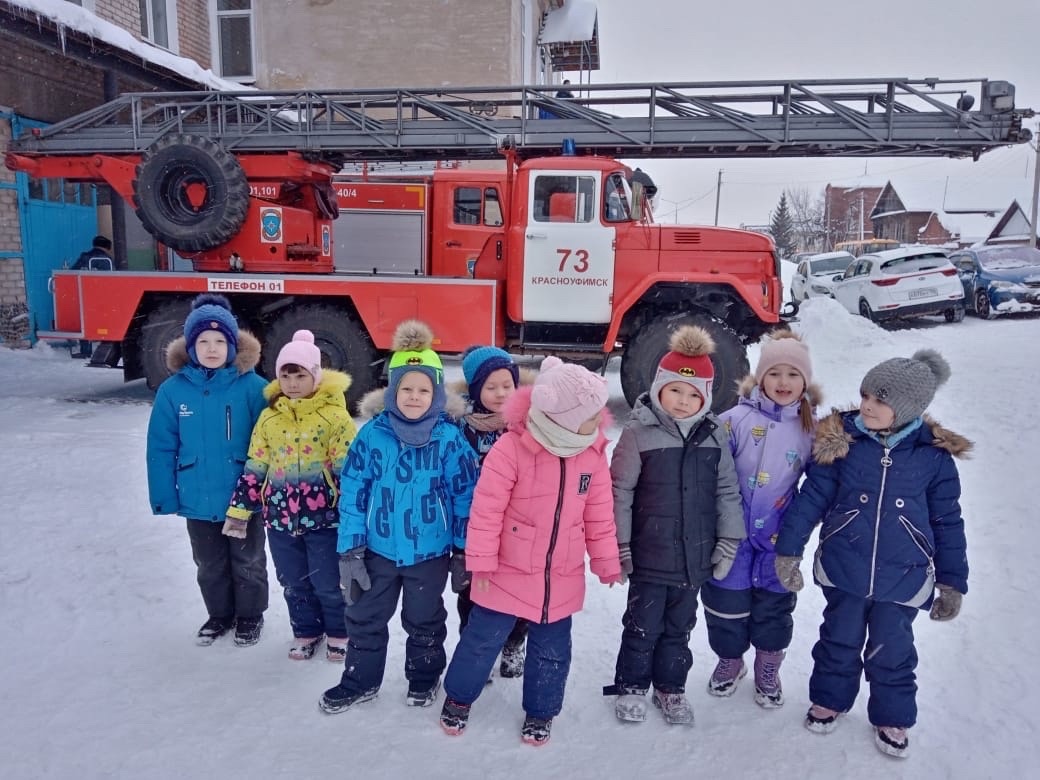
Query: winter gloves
x,y
788,573
235,527
946,605
625,551
722,557
353,575
460,578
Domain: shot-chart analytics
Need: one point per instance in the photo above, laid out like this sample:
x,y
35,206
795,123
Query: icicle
x,y
61,35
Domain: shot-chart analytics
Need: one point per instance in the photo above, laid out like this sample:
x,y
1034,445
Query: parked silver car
x,y
815,274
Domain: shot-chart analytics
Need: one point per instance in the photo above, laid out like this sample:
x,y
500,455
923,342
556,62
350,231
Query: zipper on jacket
x,y
886,461
227,421
552,538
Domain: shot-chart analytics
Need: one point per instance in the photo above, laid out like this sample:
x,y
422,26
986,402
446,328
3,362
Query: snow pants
x,y
308,571
889,659
739,619
232,573
545,673
655,642
516,636
423,617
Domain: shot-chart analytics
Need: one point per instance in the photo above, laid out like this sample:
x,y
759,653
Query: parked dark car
x,y
999,279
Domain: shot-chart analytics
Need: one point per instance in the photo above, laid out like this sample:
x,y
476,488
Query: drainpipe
x,y
110,91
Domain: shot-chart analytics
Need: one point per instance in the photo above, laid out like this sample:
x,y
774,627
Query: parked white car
x,y
815,274
907,282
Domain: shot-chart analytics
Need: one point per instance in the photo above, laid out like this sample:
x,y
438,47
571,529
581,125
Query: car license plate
x,y
923,292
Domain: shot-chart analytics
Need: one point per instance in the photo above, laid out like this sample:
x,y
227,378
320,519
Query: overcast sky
x,y
684,40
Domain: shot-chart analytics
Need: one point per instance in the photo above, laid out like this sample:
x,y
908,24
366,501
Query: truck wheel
x,y
649,344
343,343
161,326
190,193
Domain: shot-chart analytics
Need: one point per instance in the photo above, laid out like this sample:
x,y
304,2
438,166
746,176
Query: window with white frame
x,y
159,22
233,39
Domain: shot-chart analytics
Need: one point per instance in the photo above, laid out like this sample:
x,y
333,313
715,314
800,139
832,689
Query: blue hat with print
x,y
478,363
211,312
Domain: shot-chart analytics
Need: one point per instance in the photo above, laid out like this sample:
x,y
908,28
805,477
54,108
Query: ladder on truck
x,y
830,117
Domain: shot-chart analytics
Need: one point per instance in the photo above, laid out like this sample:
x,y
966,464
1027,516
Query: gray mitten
x,y
235,527
460,578
625,553
947,604
722,557
788,573
353,575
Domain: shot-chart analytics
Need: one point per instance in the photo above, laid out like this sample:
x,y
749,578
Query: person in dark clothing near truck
x,y
97,258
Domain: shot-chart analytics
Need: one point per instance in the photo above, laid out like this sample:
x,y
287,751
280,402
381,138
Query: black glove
x,y
460,578
625,555
353,576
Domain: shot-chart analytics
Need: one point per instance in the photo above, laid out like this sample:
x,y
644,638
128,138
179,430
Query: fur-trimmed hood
x,y
246,360
836,432
812,391
458,393
331,388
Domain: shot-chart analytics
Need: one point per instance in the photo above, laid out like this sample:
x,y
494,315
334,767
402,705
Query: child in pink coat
x,y
542,502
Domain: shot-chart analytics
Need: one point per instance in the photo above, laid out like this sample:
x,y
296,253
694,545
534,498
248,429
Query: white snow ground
x,y
100,677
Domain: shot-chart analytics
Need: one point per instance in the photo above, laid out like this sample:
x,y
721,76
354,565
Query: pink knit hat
x,y
301,352
568,394
784,347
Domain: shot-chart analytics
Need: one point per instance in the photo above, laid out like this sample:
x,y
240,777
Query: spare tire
x,y
190,193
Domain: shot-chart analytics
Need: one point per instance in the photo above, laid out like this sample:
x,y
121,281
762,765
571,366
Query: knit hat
x,y
301,352
568,394
784,347
478,363
211,312
688,360
907,385
412,345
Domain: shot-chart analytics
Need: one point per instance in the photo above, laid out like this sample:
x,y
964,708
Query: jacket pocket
x,y
333,491
570,558
919,539
840,525
516,547
187,479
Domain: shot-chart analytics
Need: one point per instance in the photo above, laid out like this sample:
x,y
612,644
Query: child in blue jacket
x,y
198,437
406,489
885,486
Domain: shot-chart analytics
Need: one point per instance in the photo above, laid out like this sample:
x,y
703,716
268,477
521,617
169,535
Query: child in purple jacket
x,y
771,435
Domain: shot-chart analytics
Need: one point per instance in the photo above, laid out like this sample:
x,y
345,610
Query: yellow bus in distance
x,y
865,246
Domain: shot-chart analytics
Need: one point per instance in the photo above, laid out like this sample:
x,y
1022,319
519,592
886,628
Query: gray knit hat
x,y
908,385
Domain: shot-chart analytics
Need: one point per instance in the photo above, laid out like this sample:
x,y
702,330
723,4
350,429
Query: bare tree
x,y
807,218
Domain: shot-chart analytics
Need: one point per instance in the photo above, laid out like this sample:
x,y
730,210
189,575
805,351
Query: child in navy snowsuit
x,y
885,486
770,433
406,489
198,437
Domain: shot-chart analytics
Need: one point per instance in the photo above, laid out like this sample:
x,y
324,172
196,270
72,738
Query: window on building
x,y
88,4
233,38
159,22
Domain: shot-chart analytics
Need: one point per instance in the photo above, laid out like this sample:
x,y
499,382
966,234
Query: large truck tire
x,y
649,344
164,324
343,343
190,193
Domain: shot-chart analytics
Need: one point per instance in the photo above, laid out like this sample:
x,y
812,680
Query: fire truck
x,y
551,249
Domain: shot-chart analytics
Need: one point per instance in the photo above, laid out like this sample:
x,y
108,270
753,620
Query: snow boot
x,y
303,648
535,731
336,650
821,720
631,707
768,692
339,699
454,717
247,630
212,629
728,672
422,698
675,708
892,741
513,656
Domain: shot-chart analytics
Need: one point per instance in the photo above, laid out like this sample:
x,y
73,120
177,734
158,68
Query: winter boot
x,y
513,656
339,699
675,708
768,692
247,630
336,650
631,707
422,698
821,720
892,741
303,648
454,717
728,672
212,629
535,731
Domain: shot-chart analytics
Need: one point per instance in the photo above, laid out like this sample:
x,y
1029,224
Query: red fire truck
x,y
542,255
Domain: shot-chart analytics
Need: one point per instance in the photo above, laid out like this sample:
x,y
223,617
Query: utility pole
x,y
719,195
1036,193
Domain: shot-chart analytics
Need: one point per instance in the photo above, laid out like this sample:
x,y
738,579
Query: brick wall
x,y
193,31
124,13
